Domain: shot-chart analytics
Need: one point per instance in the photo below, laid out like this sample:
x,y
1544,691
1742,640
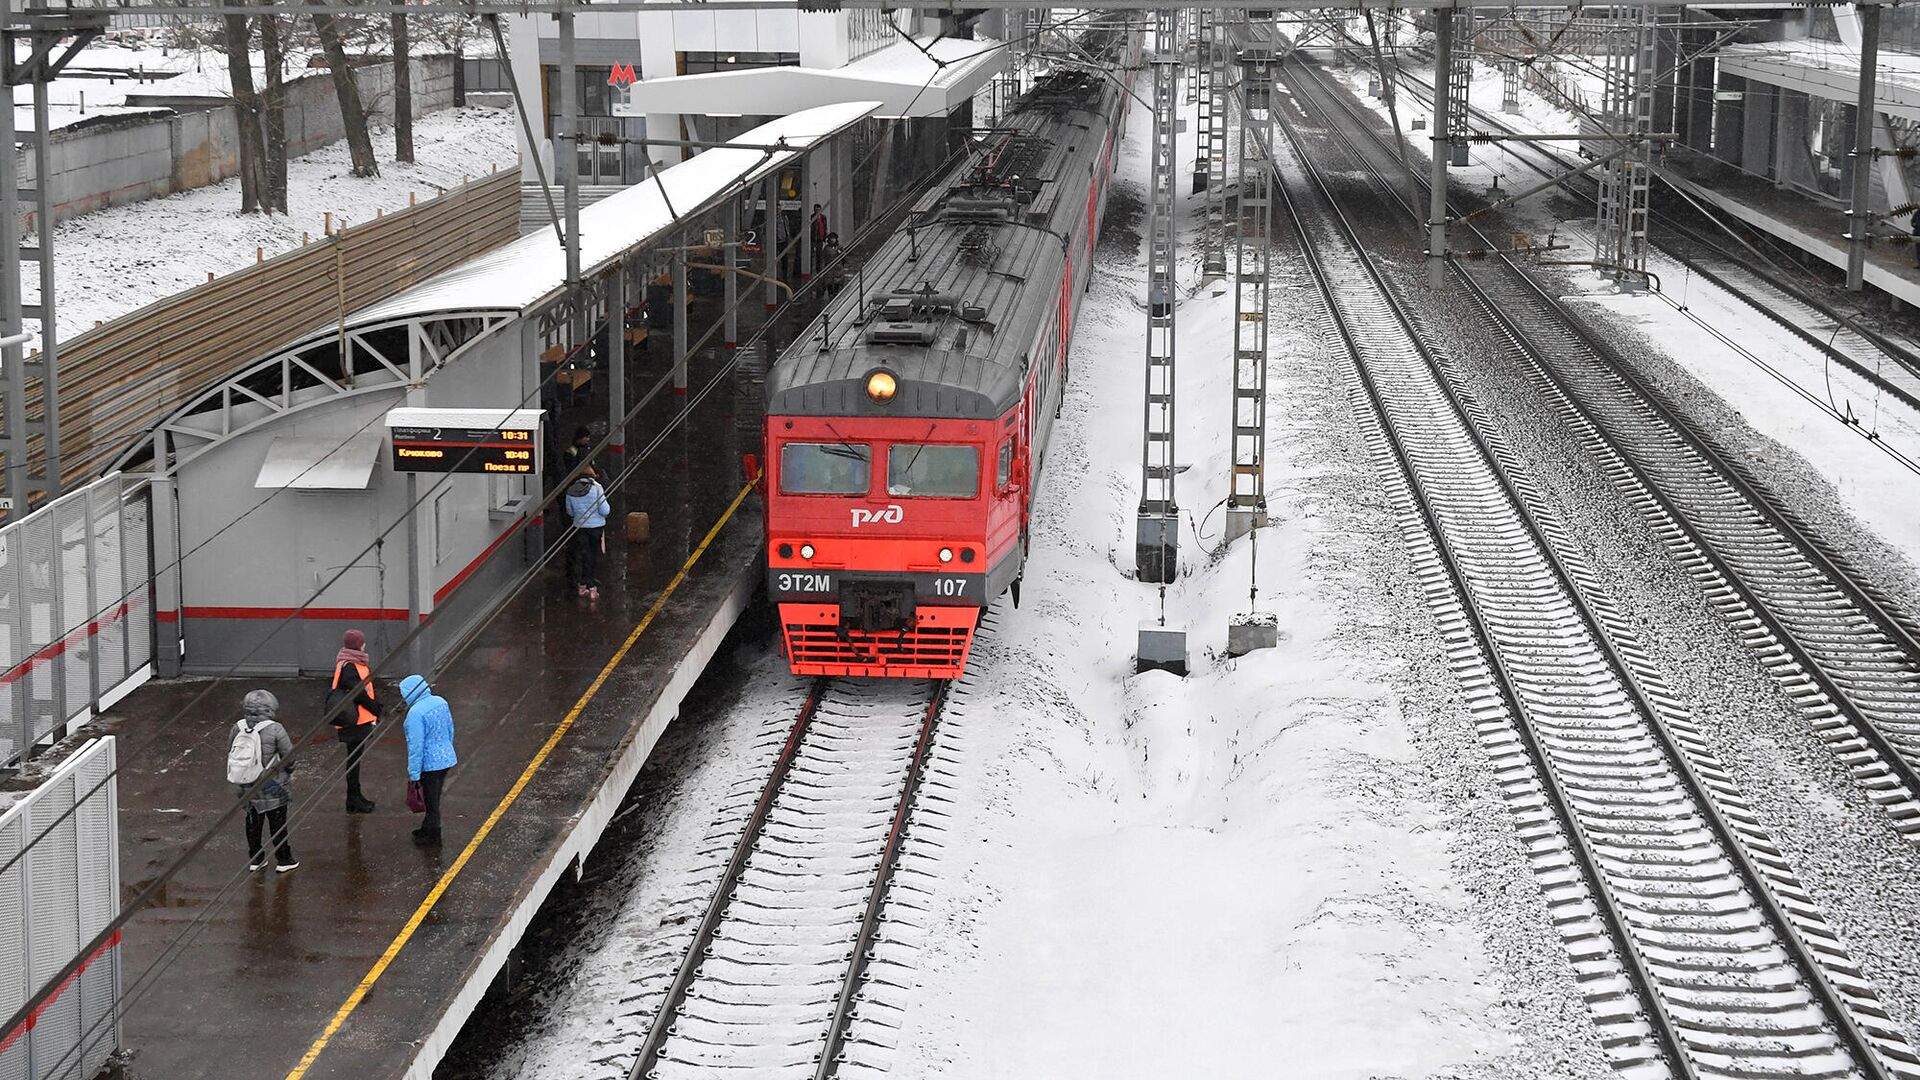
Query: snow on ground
x,y
1291,864
1690,323
119,259
1242,874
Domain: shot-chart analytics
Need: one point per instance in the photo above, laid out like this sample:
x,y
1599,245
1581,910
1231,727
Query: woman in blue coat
x,y
430,753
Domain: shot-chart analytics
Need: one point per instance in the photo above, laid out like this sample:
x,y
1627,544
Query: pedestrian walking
x,y
354,719
430,753
587,505
258,746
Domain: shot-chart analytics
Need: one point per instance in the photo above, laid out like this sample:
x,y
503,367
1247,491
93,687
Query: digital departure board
x,y
455,441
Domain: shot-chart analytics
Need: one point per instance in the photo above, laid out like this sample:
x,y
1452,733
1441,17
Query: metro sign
x,y
621,75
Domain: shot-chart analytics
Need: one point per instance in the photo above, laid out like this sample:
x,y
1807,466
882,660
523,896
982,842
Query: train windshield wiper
x,y
857,453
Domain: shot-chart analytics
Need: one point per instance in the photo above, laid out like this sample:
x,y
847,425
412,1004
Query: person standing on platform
x,y
577,450
819,233
588,507
830,274
258,746
430,753
355,720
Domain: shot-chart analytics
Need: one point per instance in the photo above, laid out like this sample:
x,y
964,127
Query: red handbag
x,y
416,797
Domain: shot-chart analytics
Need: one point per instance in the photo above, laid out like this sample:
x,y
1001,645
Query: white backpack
x,y
243,755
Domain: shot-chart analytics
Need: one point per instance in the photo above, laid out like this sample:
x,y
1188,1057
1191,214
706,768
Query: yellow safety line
x,y
506,801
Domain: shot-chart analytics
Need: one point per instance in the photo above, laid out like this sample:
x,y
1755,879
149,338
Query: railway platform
x,y
1800,221
367,959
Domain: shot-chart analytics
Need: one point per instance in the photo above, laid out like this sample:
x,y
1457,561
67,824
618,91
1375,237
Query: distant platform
x,y
1812,225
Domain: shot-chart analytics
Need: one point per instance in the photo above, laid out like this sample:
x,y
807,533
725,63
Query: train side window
x,y
943,472
825,468
1004,475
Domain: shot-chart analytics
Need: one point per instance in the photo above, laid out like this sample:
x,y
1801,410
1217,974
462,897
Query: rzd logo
x,y
894,514
622,75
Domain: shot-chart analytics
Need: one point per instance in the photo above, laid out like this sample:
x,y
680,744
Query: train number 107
x,y
949,586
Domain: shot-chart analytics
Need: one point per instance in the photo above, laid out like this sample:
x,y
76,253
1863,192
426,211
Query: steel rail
x,y
1813,973
672,1006
717,907
882,883
1899,354
1632,961
1897,628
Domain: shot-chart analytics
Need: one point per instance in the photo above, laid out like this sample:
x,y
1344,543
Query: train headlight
x,y
946,554
806,551
881,386
786,551
966,554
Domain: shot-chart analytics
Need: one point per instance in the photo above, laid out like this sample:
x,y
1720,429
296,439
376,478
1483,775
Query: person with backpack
x,y
353,710
259,746
430,753
587,505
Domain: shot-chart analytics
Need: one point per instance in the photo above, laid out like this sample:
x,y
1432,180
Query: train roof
x,y
952,302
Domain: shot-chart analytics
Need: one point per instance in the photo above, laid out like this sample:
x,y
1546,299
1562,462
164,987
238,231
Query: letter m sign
x,y
621,75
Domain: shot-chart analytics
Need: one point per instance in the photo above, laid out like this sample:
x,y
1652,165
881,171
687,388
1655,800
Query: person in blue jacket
x,y
430,753
587,505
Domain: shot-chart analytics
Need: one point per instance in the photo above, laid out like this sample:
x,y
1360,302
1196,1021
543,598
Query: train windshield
x,y
825,468
945,472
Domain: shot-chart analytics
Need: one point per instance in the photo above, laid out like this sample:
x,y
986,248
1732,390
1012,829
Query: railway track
x,y
1840,336
1835,645
770,985
1699,952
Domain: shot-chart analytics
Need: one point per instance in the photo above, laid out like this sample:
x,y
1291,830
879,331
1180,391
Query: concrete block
x,y
1254,630
639,527
1162,648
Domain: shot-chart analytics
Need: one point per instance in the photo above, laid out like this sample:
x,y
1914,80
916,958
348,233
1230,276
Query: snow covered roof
x,y
1828,70
920,78
532,270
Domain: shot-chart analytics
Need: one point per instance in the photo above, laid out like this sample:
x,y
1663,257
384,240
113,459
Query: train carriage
x,y
906,427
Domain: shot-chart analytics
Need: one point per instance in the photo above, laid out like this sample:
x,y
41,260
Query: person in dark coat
x,y
259,714
352,667
817,231
429,750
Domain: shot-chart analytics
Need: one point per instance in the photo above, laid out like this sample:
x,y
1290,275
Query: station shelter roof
x,y
1828,70
531,271
922,77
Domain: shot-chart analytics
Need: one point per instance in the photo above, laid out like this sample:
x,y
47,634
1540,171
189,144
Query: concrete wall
x,y
236,590
189,142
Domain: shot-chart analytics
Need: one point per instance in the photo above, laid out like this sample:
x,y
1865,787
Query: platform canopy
x,y
531,271
1828,71
402,340
924,77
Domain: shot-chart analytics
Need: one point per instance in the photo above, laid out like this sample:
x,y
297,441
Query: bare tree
x,y
353,116
402,91
274,114
246,111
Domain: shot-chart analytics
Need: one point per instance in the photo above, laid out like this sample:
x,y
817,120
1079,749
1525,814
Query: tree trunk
x,y
246,112
274,195
402,92
353,115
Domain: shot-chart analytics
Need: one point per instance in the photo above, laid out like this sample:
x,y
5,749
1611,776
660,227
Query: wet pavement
x,y
236,974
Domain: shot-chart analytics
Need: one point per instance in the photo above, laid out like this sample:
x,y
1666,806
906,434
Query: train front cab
x,y
887,538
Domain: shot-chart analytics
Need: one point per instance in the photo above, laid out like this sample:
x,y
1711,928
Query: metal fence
x,y
118,380
76,621
53,901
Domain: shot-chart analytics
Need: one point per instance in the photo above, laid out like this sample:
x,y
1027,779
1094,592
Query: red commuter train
x,y
907,425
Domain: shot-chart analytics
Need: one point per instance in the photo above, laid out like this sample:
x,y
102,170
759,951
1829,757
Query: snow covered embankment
x,y
1254,871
